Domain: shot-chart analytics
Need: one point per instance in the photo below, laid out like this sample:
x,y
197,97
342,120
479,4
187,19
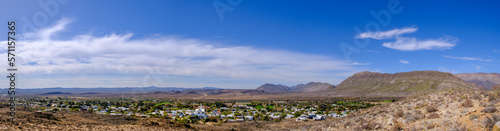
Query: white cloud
x,y
404,62
444,69
387,34
119,54
496,51
412,44
469,58
409,43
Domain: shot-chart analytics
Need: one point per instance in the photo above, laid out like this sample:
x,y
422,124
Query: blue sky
x,y
190,44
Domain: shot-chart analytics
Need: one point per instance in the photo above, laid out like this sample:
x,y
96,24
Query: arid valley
x,y
418,100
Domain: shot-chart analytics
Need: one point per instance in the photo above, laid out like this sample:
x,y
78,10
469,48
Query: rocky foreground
x,y
457,111
67,120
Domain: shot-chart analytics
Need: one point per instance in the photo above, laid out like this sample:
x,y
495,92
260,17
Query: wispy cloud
x,y
412,44
387,34
496,51
173,56
469,58
357,63
46,33
404,62
478,68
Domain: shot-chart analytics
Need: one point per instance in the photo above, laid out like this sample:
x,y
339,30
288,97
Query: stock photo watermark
x,y
222,7
50,8
382,19
11,58
150,79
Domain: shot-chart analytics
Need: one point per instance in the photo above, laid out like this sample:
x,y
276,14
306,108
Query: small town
x,y
196,112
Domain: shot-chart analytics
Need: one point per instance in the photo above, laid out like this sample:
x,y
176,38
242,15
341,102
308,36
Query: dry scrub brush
x,y
431,108
467,103
491,108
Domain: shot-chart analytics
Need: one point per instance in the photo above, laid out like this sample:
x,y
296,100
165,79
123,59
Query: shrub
x,y
458,128
211,119
430,126
491,98
490,109
418,112
370,126
397,126
489,122
419,105
467,103
431,108
413,117
399,113
496,117
476,96
472,117
433,115
348,123
483,104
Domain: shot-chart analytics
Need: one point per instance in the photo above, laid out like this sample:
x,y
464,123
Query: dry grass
x,y
490,121
473,116
433,115
450,110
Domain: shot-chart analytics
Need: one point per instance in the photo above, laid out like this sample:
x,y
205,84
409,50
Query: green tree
x,y
192,119
297,114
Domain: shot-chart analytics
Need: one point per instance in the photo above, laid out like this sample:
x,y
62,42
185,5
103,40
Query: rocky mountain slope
x,y
309,87
496,88
273,88
485,80
312,87
405,83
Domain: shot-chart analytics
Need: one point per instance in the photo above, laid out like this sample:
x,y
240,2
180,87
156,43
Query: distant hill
x,y
309,87
405,83
210,88
312,87
273,88
88,93
56,93
485,80
104,90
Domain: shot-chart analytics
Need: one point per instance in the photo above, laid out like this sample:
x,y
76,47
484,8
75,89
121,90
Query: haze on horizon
x,y
192,44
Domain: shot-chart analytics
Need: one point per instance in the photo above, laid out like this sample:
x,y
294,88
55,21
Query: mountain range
x,y
101,90
496,88
361,83
309,87
398,84
403,83
485,80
